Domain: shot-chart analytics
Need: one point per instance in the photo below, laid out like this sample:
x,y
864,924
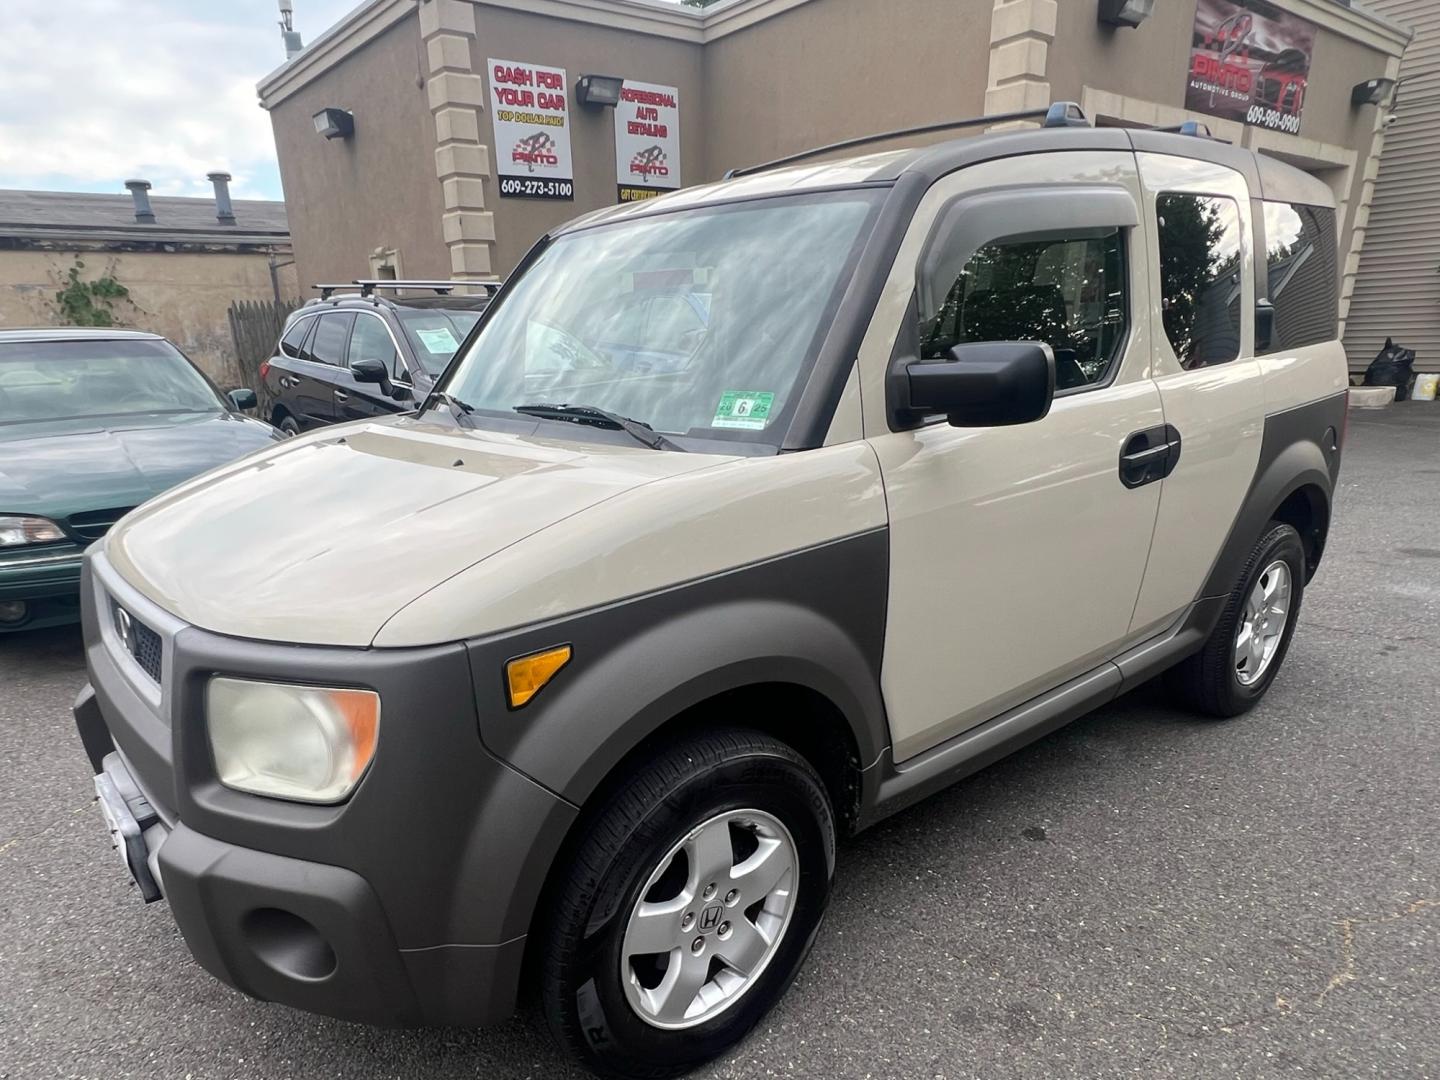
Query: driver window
x,y
371,341
1068,292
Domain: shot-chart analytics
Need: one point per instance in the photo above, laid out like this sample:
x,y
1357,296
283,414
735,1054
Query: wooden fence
x,y
255,327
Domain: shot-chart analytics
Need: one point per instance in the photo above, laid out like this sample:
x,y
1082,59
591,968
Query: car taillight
x,y
264,369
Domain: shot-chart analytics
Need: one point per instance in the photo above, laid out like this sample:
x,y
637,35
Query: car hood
x,y
324,538
58,468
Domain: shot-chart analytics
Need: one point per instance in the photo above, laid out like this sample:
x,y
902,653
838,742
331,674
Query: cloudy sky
x,y
93,92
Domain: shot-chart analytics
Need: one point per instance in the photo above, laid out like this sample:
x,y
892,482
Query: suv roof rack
x,y
369,286
1057,114
1194,128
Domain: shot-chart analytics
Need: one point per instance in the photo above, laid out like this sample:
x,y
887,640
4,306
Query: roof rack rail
x,y
1194,128
1058,114
369,286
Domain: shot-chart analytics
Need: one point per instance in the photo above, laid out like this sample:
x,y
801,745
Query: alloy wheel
x,y
1262,623
709,919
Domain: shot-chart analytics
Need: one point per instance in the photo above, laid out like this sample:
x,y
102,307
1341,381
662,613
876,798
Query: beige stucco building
x,y
182,262
414,192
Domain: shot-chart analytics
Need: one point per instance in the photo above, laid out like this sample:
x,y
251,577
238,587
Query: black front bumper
x,y
407,905
301,933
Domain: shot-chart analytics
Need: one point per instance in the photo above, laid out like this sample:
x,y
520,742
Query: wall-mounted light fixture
x,y
1371,91
1126,13
334,123
598,91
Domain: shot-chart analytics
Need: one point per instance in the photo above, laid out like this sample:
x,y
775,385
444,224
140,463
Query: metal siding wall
x,y
1397,291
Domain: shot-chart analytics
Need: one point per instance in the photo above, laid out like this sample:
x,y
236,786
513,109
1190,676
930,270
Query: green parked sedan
x,y
93,423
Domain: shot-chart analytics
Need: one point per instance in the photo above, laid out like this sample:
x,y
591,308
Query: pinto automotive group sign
x,y
1249,61
532,131
647,140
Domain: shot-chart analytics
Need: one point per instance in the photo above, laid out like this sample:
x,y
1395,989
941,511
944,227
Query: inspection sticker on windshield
x,y
438,341
743,409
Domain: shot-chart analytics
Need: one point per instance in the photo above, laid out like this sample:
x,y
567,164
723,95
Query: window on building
x,y
295,337
1068,292
1200,277
1302,275
328,344
371,341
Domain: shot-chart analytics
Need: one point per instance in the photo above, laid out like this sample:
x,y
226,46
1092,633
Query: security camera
x,y
1391,119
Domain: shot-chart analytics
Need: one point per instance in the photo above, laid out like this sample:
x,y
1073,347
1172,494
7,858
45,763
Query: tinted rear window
x,y
1200,277
328,345
1303,277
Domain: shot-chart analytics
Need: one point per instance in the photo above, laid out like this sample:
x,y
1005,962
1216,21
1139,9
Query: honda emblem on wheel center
x,y
710,918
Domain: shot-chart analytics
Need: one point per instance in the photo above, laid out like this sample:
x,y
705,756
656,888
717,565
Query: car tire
x,y
652,872
289,426
1246,649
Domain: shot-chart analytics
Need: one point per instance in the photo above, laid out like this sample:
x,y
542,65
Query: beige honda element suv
x,y
744,517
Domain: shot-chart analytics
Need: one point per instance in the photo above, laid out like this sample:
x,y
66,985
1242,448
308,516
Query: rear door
x,y
1200,234
1016,553
324,369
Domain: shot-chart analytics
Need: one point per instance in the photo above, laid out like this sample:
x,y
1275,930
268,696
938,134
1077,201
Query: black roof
x,y
69,213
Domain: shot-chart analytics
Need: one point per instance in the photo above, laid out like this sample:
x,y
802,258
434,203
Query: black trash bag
x,y
1392,366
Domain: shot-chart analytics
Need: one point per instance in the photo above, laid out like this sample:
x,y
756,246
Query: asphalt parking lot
x,y
1139,895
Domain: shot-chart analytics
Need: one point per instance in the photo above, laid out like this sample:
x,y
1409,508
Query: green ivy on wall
x,y
89,303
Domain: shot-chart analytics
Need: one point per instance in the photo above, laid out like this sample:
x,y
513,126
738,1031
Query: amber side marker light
x,y
526,676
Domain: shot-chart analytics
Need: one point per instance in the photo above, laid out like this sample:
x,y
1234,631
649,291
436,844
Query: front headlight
x,y
303,743
16,530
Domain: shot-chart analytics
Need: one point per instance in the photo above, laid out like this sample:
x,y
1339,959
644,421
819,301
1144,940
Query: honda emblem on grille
x,y
124,630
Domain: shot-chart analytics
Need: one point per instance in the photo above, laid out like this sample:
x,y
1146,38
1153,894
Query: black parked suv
x,y
356,353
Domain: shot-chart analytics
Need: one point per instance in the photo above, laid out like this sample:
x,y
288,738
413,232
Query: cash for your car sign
x,y
532,131
647,140
1249,61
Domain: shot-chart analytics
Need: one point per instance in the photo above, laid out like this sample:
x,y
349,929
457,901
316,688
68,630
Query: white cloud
x,y
93,92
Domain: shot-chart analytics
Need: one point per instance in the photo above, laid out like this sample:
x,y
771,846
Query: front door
x,y
1016,553
354,400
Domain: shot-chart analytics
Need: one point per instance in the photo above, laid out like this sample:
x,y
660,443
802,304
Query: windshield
x,y
436,334
62,380
701,322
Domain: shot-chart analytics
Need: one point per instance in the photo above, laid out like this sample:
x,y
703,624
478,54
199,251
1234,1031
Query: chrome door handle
x,y
341,395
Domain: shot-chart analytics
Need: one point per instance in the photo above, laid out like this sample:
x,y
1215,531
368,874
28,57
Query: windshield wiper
x,y
461,410
589,414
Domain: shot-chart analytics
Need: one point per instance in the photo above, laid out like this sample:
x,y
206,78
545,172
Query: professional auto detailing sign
x,y
1249,61
532,130
647,140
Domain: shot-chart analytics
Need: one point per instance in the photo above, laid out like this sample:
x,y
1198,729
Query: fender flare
x,y
627,688
1292,458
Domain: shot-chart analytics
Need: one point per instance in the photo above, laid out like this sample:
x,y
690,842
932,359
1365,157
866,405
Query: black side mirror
x,y
372,371
243,399
985,384
1264,326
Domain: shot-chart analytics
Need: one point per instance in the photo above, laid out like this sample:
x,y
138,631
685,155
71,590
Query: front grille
x,y
139,640
93,524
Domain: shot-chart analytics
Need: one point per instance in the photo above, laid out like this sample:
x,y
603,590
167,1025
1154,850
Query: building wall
x,y
376,189
758,79
835,69
1397,291
580,50
184,296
